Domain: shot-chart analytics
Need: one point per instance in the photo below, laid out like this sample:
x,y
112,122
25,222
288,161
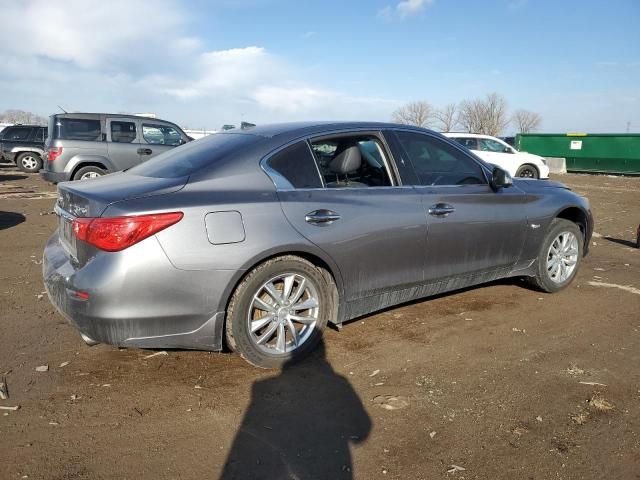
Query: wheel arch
x,y
578,216
21,150
326,266
83,160
88,164
527,164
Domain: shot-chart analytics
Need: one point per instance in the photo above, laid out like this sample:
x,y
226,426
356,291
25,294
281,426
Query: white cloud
x,y
404,9
91,34
89,56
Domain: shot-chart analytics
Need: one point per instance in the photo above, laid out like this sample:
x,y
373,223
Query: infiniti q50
x,y
257,239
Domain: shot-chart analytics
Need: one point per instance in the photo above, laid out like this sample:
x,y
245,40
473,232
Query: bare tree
x,y
447,117
20,116
487,116
420,114
526,121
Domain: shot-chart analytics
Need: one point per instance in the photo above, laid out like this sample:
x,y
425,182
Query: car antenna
x,y
62,109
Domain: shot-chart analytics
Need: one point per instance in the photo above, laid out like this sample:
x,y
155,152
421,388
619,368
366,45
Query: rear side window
x,y
161,135
296,165
470,143
438,163
351,161
78,129
41,134
488,145
194,156
123,132
17,133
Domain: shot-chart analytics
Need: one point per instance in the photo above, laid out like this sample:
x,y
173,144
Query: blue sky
x,y
205,63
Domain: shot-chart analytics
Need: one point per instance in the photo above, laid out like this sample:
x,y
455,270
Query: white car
x,y
495,151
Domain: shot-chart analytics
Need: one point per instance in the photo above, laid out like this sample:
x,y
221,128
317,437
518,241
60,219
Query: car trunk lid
x,y
90,198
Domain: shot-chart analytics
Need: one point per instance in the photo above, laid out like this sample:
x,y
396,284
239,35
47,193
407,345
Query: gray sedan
x,y
257,239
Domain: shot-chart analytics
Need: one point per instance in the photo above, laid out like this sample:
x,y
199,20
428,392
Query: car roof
x,y
468,135
92,115
313,128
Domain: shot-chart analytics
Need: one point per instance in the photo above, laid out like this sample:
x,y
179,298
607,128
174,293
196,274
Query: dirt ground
x,y
496,382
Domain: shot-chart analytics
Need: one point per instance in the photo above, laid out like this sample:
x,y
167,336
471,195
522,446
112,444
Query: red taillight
x,y
53,153
117,233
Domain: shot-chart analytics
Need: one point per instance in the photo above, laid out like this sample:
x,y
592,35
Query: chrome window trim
x,y
283,185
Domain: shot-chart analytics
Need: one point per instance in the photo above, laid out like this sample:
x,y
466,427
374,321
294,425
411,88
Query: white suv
x,y
495,151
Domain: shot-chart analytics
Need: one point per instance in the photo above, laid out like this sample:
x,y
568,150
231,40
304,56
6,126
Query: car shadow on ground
x,y
299,424
10,219
8,178
620,241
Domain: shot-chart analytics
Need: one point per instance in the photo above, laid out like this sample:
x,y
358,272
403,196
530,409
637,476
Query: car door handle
x,y
145,151
441,209
321,217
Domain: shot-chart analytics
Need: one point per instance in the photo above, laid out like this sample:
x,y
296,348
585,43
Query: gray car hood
x,y
531,185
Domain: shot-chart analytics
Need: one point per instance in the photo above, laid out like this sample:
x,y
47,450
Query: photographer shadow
x,y
299,425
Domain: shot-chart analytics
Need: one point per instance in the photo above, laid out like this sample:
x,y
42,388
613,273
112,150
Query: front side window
x,y
297,166
488,145
17,133
79,129
351,161
161,135
438,163
123,132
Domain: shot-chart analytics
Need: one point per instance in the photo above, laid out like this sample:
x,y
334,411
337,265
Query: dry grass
x,y
580,418
601,404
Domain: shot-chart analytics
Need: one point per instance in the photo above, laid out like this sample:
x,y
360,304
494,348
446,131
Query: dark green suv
x,y
24,146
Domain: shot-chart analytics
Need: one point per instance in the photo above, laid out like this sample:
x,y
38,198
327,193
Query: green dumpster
x,y
587,152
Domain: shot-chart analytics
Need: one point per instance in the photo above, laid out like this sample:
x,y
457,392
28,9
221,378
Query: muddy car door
x,y
350,205
472,230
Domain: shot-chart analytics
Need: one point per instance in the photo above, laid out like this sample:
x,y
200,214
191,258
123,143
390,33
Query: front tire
x,y
560,256
29,162
278,312
527,171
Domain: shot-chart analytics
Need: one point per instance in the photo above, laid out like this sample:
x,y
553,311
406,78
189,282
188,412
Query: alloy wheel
x,y
283,313
89,175
527,173
29,162
562,257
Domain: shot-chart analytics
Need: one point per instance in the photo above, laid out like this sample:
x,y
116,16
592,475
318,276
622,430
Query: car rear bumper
x,y
162,307
54,177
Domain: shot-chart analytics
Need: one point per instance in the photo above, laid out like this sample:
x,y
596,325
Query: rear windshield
x,y
193,156
77,129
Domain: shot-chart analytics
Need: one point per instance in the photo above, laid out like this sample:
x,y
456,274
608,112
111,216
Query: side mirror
x,y
508,150
500,179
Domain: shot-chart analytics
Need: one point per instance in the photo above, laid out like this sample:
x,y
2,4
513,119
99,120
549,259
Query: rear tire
x,y
259,325
527,171
29,162
86,173
560,256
